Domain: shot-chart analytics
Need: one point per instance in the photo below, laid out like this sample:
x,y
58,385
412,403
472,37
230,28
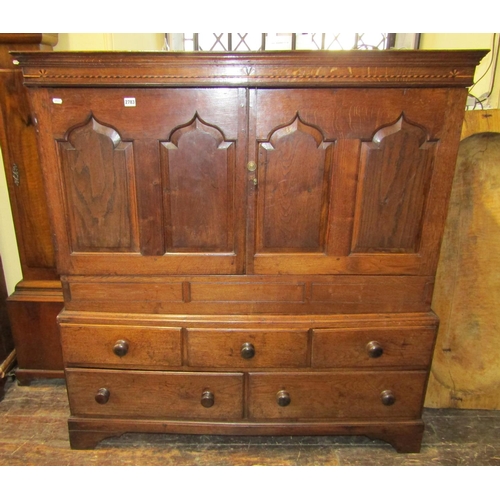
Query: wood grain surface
x,y
465,370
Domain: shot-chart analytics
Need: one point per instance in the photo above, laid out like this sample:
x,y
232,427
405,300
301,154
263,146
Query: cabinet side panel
x,y
26,189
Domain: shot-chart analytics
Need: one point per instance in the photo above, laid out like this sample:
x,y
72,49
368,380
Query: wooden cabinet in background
x,y
248,242
37,299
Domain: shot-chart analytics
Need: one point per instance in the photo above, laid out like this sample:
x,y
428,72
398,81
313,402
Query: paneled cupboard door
x,y
344,180
152,181
185,181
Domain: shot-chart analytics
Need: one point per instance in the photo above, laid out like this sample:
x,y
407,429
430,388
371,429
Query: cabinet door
x,y
148,179
349,181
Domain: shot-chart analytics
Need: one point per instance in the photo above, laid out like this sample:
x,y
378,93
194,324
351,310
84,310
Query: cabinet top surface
x,y
391,68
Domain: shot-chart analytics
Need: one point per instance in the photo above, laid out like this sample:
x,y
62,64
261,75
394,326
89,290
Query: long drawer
x,y
290,396
122,346
141,394
336,395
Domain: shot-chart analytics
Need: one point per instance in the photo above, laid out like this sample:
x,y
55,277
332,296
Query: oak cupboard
x,y
247,242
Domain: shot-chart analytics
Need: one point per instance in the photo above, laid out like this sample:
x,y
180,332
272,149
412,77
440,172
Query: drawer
x,y
247,348
142,394
373,347
121,346
336,395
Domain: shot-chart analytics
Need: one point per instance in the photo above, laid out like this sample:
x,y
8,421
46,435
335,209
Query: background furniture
x,y
37,300
7,352
248,242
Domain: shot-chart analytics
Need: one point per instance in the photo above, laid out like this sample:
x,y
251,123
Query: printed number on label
x,y
129,102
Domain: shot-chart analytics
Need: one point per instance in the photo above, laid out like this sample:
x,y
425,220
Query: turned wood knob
x,y
247,350
387,398
374,349
102,396
207,399
120,348
283,398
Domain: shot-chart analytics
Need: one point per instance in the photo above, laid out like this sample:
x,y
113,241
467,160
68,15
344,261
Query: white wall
x,y
471,41
8,244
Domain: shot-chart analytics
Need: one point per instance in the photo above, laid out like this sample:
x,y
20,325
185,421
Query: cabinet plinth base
x,y
32,310
404,436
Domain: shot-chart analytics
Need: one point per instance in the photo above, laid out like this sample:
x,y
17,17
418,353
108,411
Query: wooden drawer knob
x,y
120,348
387,398
207,399
247,350
374,349
283,398
102,396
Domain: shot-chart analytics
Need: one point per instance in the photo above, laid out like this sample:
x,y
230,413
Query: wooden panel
x,y
401,347
394,178
160,117
155,394
372,291
34,327
24,177
257,294
198,167
247,292
223,348
98,175
293,175
283,322
18,143
128,292
479,121
149,198
408,68
336,395
385,211
465,369
92,345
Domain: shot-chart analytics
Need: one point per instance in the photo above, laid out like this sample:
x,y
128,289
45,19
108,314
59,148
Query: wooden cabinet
x,y
248,242
37,299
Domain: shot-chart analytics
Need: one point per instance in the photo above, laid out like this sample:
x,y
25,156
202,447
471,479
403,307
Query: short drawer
x,y
247,348
121,346
336,395
142,394
373,347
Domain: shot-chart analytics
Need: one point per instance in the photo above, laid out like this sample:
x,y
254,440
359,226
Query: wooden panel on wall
x,y
465,370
